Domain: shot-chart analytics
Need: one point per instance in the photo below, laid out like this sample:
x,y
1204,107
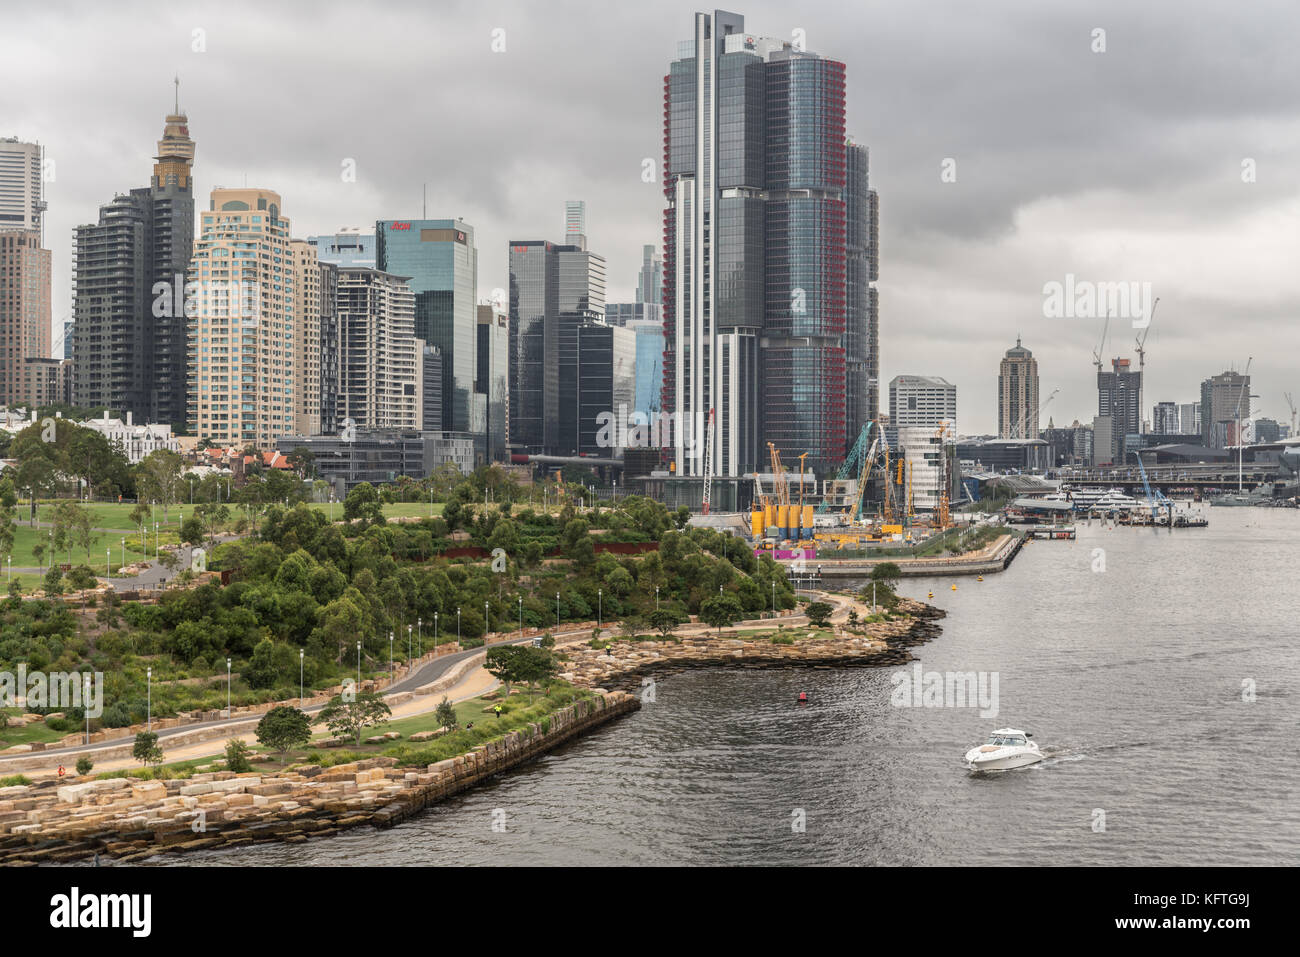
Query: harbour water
x,y
1158,674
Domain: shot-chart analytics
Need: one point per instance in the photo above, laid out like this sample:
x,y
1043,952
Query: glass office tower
x,y
441,260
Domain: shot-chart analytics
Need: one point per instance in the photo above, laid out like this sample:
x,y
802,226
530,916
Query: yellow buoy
x,y
980,578
931,594
954,587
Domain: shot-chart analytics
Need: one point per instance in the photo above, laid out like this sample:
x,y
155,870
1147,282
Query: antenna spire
x,y
177,82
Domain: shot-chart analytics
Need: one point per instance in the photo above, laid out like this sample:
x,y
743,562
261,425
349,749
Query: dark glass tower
x,y
441,260
757,311
130,342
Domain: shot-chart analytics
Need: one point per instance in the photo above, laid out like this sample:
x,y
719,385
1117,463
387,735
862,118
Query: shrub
x,y
84,765
237,753
14,780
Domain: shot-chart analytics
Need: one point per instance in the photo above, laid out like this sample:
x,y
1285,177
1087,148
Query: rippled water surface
x,y
1130,678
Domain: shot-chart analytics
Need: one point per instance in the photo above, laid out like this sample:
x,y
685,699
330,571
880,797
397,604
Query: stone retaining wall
x,y
130,819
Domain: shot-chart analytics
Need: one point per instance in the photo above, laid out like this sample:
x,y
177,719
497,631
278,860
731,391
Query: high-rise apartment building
x,y
756,282
381,381
21,204
330,345
922,402
441,261
1119,396
255,301
1018,394
1225,402
1189,418
24,314
130,335
347,247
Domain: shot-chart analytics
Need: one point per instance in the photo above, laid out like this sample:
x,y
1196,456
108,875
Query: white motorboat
x,y
1006,748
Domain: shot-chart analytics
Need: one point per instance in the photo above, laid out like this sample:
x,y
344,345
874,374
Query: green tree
x,y
887,573
158,478
84,765
146,750
283,728
819,612
720,611
350,718
503,664
237,754
534,665
193,530
664,620
446,715
54,581
362,504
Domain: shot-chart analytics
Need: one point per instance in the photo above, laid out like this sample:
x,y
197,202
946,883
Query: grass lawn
x,y
393,510
38,731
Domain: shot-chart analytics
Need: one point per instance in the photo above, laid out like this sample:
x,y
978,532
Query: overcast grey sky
x,y
1116,165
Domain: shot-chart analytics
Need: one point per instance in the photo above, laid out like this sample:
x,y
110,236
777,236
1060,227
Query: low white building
x,y
135,441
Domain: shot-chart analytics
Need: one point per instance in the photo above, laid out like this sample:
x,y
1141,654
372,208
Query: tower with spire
x,y
129,341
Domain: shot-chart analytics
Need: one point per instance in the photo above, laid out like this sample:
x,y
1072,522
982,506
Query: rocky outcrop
x,y
129,819
625,664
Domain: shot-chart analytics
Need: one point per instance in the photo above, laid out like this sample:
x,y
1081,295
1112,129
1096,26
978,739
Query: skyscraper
x,y
491,377
347,247
552,288
575,223
755,253
861,331
922,402
1225,401
24,313
1164,418
255,309
441,260
1119,392
1018,394
380,358
650,280
130,334
1189,418
21,203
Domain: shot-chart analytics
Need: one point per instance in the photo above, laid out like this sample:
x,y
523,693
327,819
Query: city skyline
x,y
1143,185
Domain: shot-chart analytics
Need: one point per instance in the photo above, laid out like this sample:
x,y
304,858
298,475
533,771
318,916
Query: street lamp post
x,y
486,629
300,683
227,687
148,676
656,597
419,636
458,625
521,616
358,666
774,599
557,611
435,632
124,551
409,629
155,539
108,562
86,697
600,608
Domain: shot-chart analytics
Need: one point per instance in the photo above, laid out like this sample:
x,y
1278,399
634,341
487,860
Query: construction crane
x,y
1142,352
887,506
1101,346
851,465
1154,498
1020,425
1245,388
867,464
801,458
780,486
943,479
708,462
1291,404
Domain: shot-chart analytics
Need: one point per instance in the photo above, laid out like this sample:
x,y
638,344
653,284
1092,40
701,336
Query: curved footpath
x,y
130,820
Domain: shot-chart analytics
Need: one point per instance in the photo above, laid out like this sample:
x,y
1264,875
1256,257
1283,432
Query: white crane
x,y
1291,403
1142,353
1020,424
1245,387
